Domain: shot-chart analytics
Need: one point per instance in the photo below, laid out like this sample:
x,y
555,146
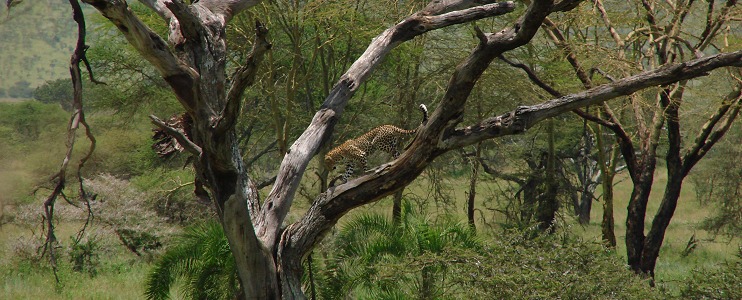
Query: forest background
x,y
143,201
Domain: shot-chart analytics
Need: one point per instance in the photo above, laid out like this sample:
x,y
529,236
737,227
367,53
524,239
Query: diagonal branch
x,y
318,132
553,92
178,135
152,47
533,77
524,117
242,78
728,111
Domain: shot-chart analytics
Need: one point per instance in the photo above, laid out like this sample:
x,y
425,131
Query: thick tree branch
x,y
152,47
442,7
227,8
242,78
178,135
524,117
190,26
728,111
294,163
159,7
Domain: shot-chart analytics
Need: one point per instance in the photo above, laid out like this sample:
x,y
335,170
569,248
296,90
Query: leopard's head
x,y
330,162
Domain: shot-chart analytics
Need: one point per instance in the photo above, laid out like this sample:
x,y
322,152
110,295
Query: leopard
x,y
354,153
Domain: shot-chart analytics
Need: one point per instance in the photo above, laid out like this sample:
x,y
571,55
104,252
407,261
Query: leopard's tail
x,y
424,110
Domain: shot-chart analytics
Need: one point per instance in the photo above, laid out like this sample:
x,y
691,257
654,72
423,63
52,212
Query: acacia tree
x,y
665,39
268,252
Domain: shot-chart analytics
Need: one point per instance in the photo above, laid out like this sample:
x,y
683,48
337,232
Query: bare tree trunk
x,y
548,203
397,207
587,189
636,215
607,163
473,186
607,225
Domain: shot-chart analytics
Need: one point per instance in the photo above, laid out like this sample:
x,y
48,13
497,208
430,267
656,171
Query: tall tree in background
x,y
268,253
664,39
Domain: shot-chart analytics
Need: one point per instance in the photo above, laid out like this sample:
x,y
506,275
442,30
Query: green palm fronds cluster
x,y
377,258
200,262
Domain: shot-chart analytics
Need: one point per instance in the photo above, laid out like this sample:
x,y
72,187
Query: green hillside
x,y
36,39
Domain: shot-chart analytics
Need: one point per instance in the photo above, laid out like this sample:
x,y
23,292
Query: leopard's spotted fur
x,y
354,153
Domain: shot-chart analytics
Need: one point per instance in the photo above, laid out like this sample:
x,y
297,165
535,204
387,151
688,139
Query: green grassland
x,y
36,41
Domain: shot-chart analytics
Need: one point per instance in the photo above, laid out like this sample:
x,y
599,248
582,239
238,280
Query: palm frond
x,y
200,257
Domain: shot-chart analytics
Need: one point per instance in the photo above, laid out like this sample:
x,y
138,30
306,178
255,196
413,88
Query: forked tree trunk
x,y
637,211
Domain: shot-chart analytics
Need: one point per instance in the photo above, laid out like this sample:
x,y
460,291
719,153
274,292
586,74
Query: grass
x,y
671,265
120,274
45,32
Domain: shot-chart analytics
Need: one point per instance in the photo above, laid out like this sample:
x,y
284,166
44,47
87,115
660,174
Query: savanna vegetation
x,y
573,150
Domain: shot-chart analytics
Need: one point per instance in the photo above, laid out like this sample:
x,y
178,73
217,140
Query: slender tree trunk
x,y
586,206
548,205
656,235
473,186
426,289
607,225
607,165
312,287
586,194
397,207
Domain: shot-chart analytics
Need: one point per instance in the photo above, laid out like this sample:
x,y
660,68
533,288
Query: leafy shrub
x,y
369,244
138,241
128,212
373,259
56,92
722,283
174,198
84,256
27,250
547,267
